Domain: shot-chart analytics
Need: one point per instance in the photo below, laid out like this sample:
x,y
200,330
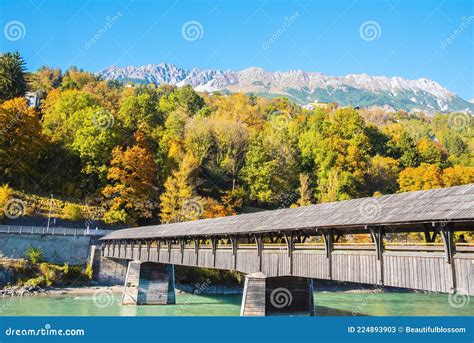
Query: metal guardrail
x,y
53,231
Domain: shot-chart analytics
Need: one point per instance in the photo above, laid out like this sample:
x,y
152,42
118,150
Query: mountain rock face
x,y
303,87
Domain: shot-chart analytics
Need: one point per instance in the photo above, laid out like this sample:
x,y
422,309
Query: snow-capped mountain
x,y
303,87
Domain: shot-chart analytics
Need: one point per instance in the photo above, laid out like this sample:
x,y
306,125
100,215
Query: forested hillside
x,y
150,154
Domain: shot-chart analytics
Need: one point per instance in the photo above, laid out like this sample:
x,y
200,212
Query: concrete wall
x,y
56,249
108,271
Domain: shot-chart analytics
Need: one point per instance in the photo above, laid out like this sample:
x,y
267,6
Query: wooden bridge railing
x,y
421,266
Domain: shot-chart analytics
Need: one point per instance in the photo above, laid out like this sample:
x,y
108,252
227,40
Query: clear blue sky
x,y
324,36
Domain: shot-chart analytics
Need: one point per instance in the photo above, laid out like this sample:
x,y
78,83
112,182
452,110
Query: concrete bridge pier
x,y
149,283
271,296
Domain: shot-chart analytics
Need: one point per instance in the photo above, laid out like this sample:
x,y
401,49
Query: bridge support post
x,y
449,249
377,237
149,283
328,247
283,295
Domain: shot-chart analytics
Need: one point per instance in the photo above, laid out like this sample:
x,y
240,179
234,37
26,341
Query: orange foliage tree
x,y
131,191
21,140
428,176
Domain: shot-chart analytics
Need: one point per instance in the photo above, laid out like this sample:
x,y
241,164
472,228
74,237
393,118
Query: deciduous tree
x,y
131,193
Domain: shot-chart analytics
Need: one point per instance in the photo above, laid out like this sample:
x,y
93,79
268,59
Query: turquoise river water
x,y
327,304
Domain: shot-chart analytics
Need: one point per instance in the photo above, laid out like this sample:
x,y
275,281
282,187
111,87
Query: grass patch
x,y
46,274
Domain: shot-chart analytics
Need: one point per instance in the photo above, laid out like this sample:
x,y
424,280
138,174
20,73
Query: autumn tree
x,y
199,138
131,194
239,107
231,139
94,139
5,194
75,78
141,111
458,175
304,191
179,201
61,108
214,209
426,176
172,139
382,175
182,99
429,152
21,142
270,168
336,147
107,94
45,79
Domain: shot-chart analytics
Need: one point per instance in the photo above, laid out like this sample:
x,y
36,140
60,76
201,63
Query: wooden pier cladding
x,y
275,243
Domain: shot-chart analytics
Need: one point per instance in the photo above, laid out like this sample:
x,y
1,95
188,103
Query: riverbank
x,y
21,291
27,290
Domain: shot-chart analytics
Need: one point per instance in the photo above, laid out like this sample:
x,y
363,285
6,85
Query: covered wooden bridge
x,y
282,251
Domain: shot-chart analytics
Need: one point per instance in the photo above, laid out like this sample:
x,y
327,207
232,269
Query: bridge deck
x,y
223,243
423,269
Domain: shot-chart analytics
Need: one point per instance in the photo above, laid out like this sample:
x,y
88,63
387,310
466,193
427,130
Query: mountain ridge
x,y
303,87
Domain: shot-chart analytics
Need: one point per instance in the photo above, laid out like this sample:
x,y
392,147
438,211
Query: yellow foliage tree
x,y
5,193
429,152
458,175
214,209
21,141
382,175
178,202
304,191
131,191
428,176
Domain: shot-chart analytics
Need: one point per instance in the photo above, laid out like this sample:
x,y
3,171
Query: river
x,y
107,303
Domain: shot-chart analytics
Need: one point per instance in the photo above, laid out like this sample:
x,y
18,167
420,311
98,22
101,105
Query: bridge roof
x,y
454,204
